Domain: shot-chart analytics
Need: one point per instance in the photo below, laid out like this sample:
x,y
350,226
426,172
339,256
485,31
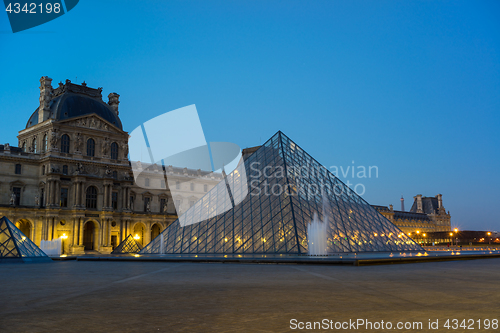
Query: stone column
x,y
49,193
121,231
82,195
80,232
105,199
58,193
147,233
75,231
109,232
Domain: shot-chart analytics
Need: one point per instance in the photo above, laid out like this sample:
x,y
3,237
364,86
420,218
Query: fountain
x,y
317,232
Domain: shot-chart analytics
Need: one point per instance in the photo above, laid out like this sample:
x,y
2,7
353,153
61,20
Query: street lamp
x,y
451,235
489,238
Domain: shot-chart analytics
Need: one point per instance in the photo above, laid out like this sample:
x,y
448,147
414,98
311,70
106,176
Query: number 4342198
x,y
33,8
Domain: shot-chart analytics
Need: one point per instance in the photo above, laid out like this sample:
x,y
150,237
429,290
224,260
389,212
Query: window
x,y
114,151
45,143
18,169
91,197
191,203
65,169
115,175
205,187
64,197
177,185
42,198
192,186
17,193
163,202
65,144
114,200
146,182
43,169
34,146
146,204
91,147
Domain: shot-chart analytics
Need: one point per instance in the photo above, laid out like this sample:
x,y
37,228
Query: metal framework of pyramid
x,y
15,246
129,245
275,222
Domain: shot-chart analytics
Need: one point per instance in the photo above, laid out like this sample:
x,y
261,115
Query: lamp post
x,y
451,235
489,238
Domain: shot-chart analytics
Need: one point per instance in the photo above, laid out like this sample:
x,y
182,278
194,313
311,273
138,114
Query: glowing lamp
x,y
136,237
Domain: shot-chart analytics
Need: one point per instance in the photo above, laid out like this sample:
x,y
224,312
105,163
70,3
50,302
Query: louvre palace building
x,y
70,176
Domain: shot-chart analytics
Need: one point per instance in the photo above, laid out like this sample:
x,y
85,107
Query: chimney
x,y
440,200
419,203
114,101
45,97
402,203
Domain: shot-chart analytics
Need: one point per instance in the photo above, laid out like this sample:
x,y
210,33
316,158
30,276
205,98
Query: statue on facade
x,y
125,149
105,147
12,199
148,207
54,138
37,200
78,142
80,168
165,207
108,171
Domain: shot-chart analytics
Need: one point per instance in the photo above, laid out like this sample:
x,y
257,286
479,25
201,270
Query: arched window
x,y
91,197
91,147
34,146
114,151
45,144
65,144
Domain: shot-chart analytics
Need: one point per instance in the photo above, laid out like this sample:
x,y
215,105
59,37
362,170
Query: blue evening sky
x,y
412,87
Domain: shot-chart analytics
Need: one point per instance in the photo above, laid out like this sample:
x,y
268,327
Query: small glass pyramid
x,y
129,245
14,245
284,187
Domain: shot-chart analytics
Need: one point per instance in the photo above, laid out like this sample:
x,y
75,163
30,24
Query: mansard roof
x,y
72,100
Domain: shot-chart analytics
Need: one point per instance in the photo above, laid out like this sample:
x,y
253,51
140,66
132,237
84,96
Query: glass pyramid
x,y
129,245
284,187
15,246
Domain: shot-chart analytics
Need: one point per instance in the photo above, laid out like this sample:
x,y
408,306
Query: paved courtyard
x,y
71,296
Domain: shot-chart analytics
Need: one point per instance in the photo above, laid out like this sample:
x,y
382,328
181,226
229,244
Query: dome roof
x,y
70,104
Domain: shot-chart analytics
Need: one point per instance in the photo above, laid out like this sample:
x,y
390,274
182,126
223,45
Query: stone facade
x,y
71,176
427,214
